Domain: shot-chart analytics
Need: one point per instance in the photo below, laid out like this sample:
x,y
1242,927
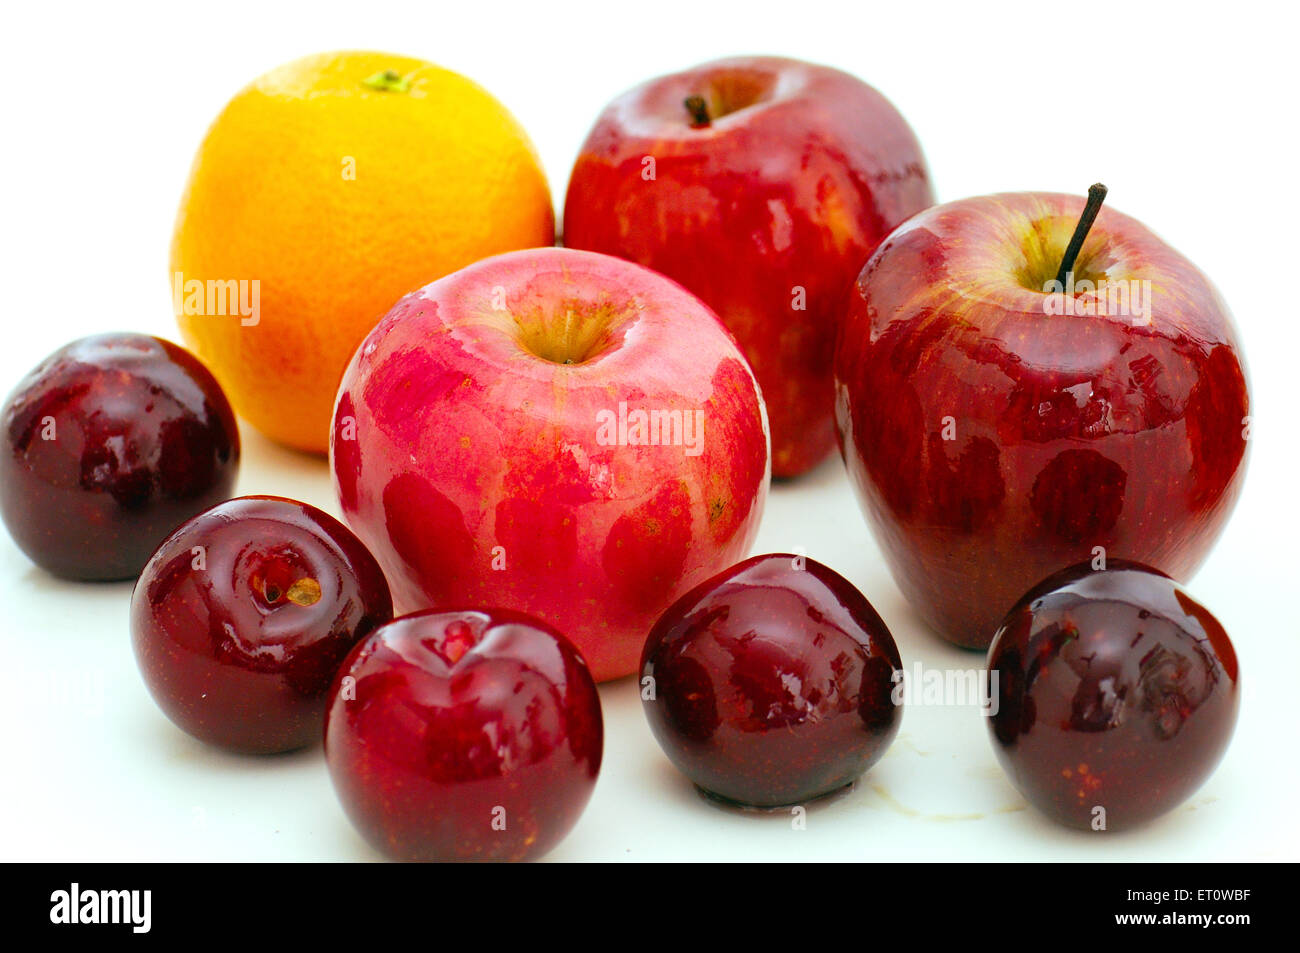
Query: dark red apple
x,y
556,432
109,444
772,683
763,195
464,735
993,439
244,614
1117,696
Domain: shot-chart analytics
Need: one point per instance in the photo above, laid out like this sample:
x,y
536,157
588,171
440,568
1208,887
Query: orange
x,y
326,190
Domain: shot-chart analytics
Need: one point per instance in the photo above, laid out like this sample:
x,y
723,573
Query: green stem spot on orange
x,y
388,81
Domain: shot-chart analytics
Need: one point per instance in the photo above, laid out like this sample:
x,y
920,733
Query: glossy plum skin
x,y
242,617
773,684
109,444
1115,690
801,173
469,451
464,736
992,444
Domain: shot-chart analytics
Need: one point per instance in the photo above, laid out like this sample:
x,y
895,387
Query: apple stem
x,y
699,110
1096,195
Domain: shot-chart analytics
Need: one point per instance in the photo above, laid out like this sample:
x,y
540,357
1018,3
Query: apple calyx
x,y
388,81
573,333
699,111
1096,195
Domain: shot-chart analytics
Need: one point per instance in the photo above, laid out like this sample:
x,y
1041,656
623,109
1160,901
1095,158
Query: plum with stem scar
x,y
464,735
243,615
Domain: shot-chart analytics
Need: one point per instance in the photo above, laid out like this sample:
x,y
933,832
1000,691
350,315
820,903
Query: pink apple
x,y
761,184
554,432
999,429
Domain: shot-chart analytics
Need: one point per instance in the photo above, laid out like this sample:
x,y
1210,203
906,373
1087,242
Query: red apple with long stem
x,y
556,432
761,184
1011,402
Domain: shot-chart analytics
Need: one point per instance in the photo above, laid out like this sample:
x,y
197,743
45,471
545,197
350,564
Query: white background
x,y
1187,113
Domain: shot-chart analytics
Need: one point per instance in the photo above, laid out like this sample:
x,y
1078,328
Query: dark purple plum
x,y
109,444
1117,695
773,683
